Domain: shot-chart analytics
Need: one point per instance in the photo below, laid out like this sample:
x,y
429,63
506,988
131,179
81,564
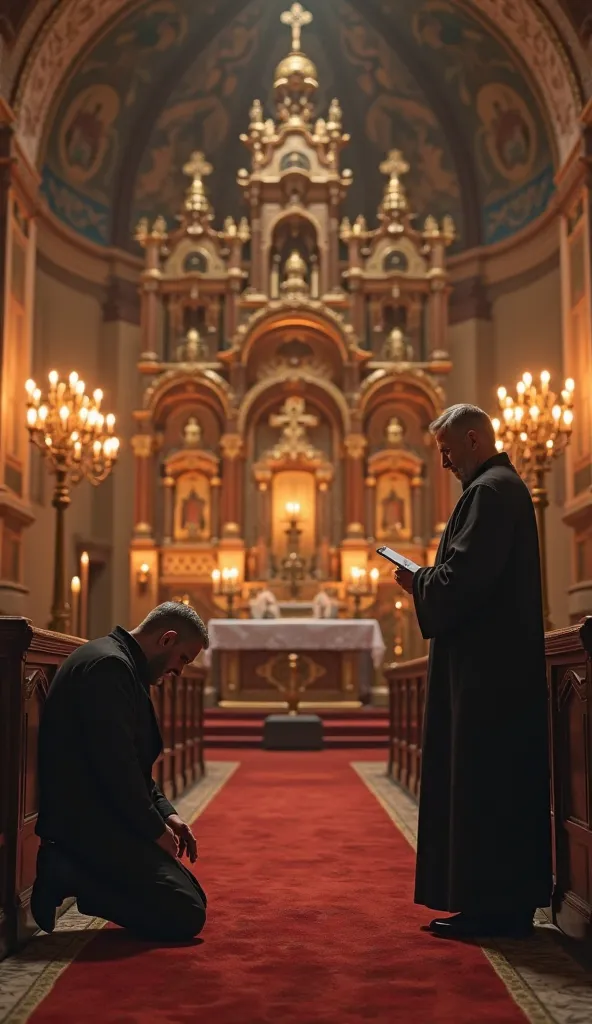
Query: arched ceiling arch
x,y
172,74
72,25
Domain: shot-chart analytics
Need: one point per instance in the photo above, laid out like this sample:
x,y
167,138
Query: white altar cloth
x,y
297,635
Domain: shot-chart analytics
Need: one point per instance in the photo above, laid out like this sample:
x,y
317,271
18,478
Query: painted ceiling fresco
x,y
177,75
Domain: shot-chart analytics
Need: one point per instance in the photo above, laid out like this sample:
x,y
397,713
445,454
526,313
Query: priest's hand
x,y
187,841
168,842
404,578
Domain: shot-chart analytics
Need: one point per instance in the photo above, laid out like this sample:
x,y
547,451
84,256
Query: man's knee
x,y
183,917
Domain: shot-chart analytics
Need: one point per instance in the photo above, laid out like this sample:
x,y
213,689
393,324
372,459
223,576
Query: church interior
x,y
250,251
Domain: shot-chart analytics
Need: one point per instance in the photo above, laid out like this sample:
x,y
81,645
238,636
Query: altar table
x,y
337,659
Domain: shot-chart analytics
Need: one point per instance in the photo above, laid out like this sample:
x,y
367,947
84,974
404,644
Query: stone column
x,y
370,506
168,485
143,449
355,446
215,486
19,185
574,195
417,525
232,482
150,292
263,478
323,525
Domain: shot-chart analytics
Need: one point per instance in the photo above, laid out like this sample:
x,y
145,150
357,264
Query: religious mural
x,y
499,114
174,76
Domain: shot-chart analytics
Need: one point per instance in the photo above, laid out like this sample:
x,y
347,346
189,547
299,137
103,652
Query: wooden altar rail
x,y
569,675
29,659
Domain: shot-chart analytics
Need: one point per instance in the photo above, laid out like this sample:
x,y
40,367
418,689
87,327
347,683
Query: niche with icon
x,y
192,507
393,507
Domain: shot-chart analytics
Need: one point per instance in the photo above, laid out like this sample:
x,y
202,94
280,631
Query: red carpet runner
x,y
311,920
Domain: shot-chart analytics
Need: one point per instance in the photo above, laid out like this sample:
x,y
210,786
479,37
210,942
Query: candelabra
x,y
534,428
293,565
226,584
78,442
362,584
398,622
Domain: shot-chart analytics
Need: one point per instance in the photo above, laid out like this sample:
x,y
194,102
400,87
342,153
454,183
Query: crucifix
x,y
294,421
197,167
395,164
296,17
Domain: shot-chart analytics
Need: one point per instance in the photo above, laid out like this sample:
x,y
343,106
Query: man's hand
x,y
168,841
187,841
404,578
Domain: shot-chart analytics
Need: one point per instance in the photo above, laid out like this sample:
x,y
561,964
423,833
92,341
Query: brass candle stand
x,y
534,428
78,443
362,584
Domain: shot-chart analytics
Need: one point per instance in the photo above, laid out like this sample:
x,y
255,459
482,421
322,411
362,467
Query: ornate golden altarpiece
x,y
293,359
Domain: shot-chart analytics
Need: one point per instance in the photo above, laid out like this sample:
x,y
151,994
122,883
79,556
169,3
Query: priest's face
x,y
170,654
460,452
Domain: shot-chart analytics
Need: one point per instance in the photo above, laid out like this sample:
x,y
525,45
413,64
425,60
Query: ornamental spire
x,y
296,18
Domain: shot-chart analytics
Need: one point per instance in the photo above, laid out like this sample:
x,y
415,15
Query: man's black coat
x,y
98,741
484,841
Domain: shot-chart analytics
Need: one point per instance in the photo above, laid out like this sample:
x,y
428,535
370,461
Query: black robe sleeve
x,y
106,712
446,594
163,806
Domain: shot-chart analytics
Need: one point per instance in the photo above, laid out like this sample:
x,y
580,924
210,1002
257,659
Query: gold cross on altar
x,y
395,164
197,166
296,17
294,421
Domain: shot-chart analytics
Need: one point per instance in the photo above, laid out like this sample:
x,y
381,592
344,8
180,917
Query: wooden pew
x,y
29,659
569,675
179,707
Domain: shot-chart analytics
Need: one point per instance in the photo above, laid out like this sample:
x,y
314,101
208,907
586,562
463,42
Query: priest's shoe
x,y
469,926
56,879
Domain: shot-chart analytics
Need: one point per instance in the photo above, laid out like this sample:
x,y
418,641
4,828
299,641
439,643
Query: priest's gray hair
x,y
464,417
180,617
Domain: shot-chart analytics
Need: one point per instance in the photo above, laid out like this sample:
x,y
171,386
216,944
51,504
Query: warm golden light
x,y
534,430
70,430
75,585
293,509
84,558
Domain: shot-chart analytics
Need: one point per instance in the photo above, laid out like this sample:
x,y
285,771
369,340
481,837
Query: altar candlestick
x,y
75,591
84,568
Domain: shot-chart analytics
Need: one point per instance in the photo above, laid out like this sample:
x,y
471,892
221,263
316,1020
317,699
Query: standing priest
x,y
484,844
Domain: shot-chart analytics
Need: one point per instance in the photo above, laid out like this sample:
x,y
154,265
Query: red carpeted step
x,y
310,919
360,728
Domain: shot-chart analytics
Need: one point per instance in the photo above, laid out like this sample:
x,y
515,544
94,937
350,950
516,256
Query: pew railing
x,y
569,675
29,659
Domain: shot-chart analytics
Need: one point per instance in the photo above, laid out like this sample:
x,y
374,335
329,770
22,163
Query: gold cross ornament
x,y
197,166
395,164
296,17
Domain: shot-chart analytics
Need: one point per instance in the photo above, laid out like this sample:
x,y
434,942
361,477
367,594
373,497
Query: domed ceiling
x,y
425,77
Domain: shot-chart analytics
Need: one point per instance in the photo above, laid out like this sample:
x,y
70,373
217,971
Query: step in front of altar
x,y
359,729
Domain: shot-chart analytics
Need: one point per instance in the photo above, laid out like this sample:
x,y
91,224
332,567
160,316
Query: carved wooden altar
x,y
293,361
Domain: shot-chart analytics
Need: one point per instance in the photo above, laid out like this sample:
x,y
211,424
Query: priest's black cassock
x,y
484,842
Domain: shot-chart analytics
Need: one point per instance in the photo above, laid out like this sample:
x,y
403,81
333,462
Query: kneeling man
x,y
108,835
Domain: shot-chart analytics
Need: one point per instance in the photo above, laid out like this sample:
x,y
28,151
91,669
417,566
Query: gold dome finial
x,y
196,168
296,17
394,202
295,75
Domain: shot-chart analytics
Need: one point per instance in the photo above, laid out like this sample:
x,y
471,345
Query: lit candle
x,y
216,575
374,574
84,568
75,590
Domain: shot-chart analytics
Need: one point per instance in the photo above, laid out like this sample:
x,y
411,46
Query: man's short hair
x,y
177,616
464,417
